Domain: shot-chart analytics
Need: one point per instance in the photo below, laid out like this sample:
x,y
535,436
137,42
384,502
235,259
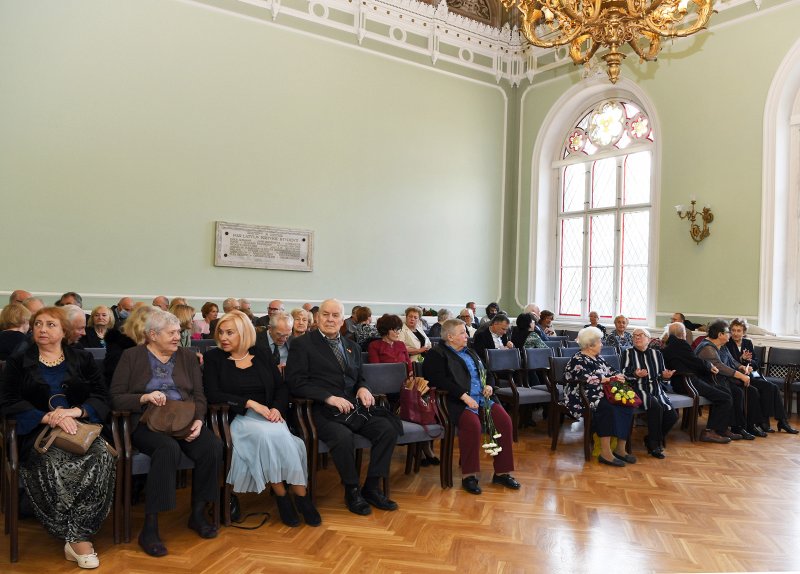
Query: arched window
x,y
604,202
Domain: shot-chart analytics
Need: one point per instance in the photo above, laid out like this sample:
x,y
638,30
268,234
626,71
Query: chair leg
x,y
225,502
12,515
411,450
558,420
515,420
587,434
126,504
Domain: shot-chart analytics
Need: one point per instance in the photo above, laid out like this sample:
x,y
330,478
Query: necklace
x,y
53,363
242,358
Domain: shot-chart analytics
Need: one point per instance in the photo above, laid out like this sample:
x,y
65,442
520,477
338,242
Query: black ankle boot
x,y
286,510
308,510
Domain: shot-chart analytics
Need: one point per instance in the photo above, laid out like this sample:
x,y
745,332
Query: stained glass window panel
x,y
601,264
635,260
574,188
604,183
636,182
571,282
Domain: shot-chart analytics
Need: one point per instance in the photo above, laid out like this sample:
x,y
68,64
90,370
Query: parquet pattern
x,y
706,508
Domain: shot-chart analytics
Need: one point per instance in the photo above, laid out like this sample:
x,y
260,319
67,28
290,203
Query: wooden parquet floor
x,y
706,508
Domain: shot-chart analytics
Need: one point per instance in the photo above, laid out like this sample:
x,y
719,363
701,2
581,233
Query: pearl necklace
x,y
242,358
53,363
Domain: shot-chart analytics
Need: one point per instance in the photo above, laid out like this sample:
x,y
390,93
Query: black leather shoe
x,y
736,434
657,453
204,529
786,427
629,458
355,502
286,511
377,499
506,480
745,435
308,510
470,484
755,430
612,462
154,547
767,429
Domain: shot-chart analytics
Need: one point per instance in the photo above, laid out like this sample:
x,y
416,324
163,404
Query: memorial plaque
x,y
262,247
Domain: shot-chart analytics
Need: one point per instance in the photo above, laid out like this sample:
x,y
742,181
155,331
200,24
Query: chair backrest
x,y
434,340
385,378
201,350
780,356
571,344
612,360
503,359
759,353
538,358
607,350
557,338
554,344
568,352
364,357
557,365
97,352
569,334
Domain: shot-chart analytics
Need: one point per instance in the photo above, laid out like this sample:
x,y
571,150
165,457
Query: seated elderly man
x,y
678,356
70,298
738,379
495,337
161,302
644,368
121,311
466,315
275,306
442,316
326,367
276,340
18,296
77,322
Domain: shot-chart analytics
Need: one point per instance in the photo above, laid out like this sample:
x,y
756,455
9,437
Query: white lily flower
x,y
496,435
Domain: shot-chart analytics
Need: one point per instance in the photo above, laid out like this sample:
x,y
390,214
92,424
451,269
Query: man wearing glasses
x,y
275,306
736,378
466,316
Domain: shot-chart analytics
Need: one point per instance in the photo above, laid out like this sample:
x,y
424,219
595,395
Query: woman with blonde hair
x,y
101,321
243,376
15,323
129,335
301,322
413,335
185,314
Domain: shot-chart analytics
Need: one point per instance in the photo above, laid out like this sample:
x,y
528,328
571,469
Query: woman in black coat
x,y
51,384
451,366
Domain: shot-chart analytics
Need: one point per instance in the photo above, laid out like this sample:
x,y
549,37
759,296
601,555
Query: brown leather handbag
x,y
77,443
174,418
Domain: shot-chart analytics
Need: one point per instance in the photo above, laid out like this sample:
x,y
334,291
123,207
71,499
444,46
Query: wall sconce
x,y
695,231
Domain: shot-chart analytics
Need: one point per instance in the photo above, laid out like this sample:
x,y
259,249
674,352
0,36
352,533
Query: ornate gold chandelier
x,y
586,25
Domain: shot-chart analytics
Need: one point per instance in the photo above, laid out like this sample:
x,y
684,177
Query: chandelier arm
x,y
571,13
529,29
653,49
575,49
704,9
653,7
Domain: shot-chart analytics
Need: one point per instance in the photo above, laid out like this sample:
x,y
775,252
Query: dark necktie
x,y
337,350
276,354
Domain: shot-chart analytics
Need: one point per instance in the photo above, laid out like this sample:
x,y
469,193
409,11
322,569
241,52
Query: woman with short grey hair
x,y
589,371
442,316
147,377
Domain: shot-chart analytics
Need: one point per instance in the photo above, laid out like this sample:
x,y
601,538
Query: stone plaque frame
x,y
264,247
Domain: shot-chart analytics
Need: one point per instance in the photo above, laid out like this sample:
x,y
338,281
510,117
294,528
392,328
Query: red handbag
x,y
416,407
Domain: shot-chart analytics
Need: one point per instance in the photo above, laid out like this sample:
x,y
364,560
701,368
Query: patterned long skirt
x,y
71,494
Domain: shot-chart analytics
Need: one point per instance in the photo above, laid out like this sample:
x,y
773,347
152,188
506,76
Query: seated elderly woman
x,y
301,320
413,335
619,337
468,318
15,323
588,369
52,384
101,321
451,366
364,331
202,327
644,367
244,376
594,321
147,377
544,323
185,315
442,316
129,335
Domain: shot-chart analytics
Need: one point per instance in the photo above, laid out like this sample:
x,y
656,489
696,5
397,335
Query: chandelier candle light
x,y
695,231
587,25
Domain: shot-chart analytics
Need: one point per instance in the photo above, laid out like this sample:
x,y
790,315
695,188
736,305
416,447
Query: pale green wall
x,y
130,126
710,104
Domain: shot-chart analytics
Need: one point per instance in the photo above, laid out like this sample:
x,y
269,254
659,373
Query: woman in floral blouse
x,y
619,337
587,368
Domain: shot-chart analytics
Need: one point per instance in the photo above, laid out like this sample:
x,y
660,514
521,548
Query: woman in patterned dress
x,y
52,384
588,369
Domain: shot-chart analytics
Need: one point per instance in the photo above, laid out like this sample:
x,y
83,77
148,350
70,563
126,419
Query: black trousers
x,y
165,454
341,442
719,418
753,415
659,422
771,400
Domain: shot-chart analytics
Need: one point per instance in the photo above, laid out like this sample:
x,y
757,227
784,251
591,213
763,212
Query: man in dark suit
x,y
277,338
325,367
495,337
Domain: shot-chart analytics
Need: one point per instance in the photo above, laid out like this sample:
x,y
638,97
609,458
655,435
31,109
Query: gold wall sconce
x,y
697,233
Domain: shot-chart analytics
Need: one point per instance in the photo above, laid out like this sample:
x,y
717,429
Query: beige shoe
x,y
87,561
